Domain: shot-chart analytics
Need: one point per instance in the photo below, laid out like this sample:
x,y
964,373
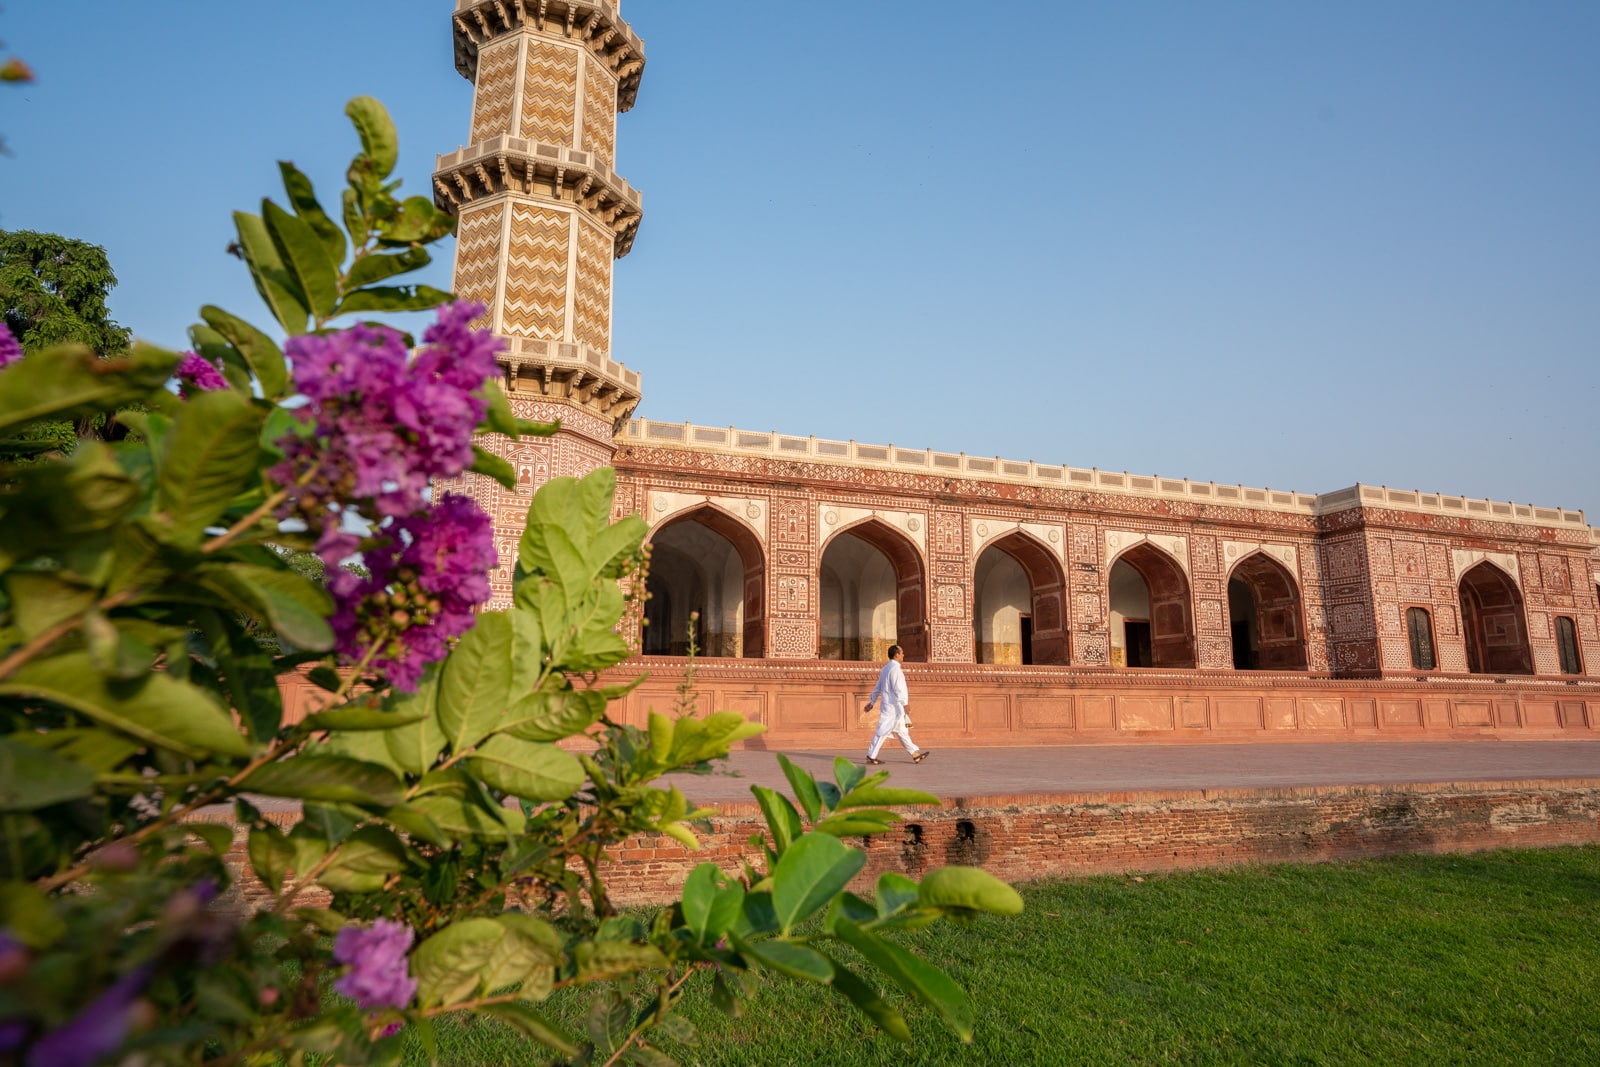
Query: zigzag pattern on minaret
x,y
591,303
478,255
549,90
599,110
497,70
536,273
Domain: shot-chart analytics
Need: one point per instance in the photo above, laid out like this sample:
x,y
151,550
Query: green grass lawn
x,y
1489,958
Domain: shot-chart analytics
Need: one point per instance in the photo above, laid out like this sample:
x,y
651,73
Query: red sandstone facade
x,y
1042,603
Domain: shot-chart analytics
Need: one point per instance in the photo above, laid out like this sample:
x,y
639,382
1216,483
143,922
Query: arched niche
x,y
1265,616
705,561
1148,594
872,594
1493,623
1019,603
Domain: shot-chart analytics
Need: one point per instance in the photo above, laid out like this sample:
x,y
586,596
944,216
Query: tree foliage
x,y
53,291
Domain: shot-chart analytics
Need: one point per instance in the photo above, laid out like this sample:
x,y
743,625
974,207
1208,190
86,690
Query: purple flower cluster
x,y
426,579
95,1032
377,428
376,956
10,347
383,426
197,374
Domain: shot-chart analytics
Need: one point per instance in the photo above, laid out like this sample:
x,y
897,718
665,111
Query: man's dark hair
x,y
895,650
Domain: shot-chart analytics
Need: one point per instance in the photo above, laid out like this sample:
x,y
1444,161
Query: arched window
x,y
1264,616
1419,630
1567,645
706,573
1492,622
1151,620
1018,599
870,596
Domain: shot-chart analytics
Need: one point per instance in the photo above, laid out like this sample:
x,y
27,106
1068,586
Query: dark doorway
x,y
1244,657
1136,633
1027,638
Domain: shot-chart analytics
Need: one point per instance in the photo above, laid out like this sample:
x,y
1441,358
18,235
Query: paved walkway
x,y
958,772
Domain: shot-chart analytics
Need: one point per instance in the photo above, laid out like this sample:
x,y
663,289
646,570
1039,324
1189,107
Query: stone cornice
x,y
512,165
571,373
595,23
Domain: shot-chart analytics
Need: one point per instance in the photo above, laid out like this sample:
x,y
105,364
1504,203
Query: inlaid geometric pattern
x,y
496,90
536,273
549,93
599,113
592,309
478,256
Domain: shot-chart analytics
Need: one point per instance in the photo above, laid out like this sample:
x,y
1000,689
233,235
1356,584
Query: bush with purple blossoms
x,y
448,844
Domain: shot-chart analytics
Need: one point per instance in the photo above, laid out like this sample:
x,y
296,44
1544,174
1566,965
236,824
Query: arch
x,y
1019,600
872,594
1169,618
704,560
1493,623
1264,615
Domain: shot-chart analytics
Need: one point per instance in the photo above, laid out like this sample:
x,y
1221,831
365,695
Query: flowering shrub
x,y
146,614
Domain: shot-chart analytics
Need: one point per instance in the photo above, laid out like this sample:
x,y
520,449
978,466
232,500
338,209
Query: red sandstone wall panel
x,y
1438,712
800,711
1507,714
1364,714
1573,715
1402,714
947,713
752,706
1144,713
1280,713
1540,715
1321,714
990,713
1238,713
1192,713
1473,713
1097,713
1044,713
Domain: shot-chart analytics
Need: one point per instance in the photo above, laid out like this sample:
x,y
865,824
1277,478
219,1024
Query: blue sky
x,y
1288,245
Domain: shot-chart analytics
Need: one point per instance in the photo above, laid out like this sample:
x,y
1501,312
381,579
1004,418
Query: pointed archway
x,y
1019,603
872,595
1150,609
1264,616
1493,623
709,563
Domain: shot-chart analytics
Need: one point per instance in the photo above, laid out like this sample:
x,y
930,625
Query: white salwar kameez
x,y
891,697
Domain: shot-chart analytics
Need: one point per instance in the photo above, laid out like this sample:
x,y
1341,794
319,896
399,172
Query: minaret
x,y
541,216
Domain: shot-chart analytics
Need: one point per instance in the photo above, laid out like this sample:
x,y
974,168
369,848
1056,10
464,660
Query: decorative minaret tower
x,y
542,215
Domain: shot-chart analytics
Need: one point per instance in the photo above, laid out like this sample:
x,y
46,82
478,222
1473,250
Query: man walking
x,y
892,699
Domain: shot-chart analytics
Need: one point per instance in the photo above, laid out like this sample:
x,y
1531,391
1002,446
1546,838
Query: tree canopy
x,y
53,289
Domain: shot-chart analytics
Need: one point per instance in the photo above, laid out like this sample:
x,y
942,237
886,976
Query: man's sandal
x,y
920,756
875,762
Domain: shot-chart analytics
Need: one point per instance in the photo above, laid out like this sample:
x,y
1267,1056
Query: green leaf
x,y
499,417
365,861
274,281
870,1003
417,221
875,796
33,778
916,977
787,957
304,200
971,888
379,142
328,778
808,875
392,298
527,956
756,915
217,836
416,747
847,774
260,352
70,381
159,708
417,824
782,820
461,818
210,457
530,1023
449,966
271,855
804,786
533,770
895,891
493,466
41,599
294,606
116,653
376,266
306,257
857,824
362,717
711,903
30,916
615,959
473,689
